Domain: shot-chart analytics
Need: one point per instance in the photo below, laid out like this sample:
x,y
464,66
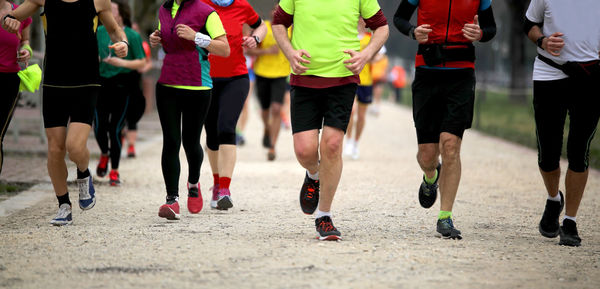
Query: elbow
x,y
488,34
224,52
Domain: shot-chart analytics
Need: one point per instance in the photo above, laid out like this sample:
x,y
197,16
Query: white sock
x,y
322,214
555,198
574,219
314,177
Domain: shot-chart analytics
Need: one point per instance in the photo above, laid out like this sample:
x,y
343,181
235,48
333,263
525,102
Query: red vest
x,y
447,18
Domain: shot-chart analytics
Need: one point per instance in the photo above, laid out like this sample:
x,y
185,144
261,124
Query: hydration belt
x,y
574,69
436,54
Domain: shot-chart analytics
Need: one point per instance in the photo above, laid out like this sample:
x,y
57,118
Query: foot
x,y
355,153
215,196
102,167
348,148
170,210
549,225
271,155
64,216
266,140
194,202
568,234
447,230
131,151
87,194
326,229
114,178
224,201
309,195
428,192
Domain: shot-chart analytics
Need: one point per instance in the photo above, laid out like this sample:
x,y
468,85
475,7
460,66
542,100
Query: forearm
x,y
254,51
534,33
28,8
260,31
117,35
134,64
487,23
219,46
402,17
380,36
281,36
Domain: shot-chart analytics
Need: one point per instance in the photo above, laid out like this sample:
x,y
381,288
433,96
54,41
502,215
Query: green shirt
x,y
136,51
325,29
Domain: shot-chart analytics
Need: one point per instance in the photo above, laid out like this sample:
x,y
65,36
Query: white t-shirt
x,y
578,20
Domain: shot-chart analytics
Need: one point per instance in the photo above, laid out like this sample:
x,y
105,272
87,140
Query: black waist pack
x,y
436,54
575,69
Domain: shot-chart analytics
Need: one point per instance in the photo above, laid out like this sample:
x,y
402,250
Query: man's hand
x,y
422,33
472,31
357,61
248,42
120,49
297,59
155,38
554,43
24,56
185,32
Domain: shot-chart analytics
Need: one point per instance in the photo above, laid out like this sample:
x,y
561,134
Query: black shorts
x,y
61,105
364,94
443,101
270,90
552,101
311,108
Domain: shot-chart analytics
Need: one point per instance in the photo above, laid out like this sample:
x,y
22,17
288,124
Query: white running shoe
x,y
64,216
355,152
349,147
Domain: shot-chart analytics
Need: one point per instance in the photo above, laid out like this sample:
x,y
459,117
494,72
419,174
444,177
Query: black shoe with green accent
x,y
549,224
447,230
428,192
568,234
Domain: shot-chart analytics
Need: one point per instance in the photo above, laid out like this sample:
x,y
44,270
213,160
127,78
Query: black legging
x,y
182,113
229,95
9,82
110,117
137,101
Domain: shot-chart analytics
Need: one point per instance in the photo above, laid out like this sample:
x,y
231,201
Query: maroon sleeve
x,y
376,21
281,17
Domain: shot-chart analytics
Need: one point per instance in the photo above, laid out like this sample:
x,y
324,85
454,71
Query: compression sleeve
x,y
402,17
487,24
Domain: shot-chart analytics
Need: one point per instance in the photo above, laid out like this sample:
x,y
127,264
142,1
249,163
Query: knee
x,y
332,146
56,151
361,117
427,158
305,152
450,148
275,109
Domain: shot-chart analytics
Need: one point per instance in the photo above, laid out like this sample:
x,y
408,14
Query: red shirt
x,y
233,18
9,44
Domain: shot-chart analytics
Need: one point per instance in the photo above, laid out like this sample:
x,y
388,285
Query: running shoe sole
x,y
61,223
224,203
330,238
168,213
88,207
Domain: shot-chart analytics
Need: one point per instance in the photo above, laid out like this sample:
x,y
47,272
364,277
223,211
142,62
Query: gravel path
x,y
266,242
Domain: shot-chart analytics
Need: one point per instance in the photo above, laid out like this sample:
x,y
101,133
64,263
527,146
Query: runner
x,y
71,84
566,73
230,79
14,49
364,96
240,140
189,32
271,69
444,90
324,57
116,76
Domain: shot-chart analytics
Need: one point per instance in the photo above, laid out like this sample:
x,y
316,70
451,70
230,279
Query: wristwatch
x,y
257,39
540,41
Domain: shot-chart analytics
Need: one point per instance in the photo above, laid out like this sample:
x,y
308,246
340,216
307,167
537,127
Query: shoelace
x,y
311,190
326,226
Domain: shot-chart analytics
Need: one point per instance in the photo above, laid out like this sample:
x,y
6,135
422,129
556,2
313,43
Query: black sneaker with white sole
x,y
446,228
326,230
428,192
568,234
549,225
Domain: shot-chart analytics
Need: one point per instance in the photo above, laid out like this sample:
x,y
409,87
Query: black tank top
x,y
71,47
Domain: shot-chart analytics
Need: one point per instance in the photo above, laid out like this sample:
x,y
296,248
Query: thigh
x,y
169,112
263,92
194,109
231,102
277,89
584,113
82,104
459,98
428,107
550,110
55,107
339,105
305,109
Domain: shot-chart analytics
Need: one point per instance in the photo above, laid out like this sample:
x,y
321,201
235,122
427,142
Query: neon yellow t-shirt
x,y
271,65
213,25
366,78
325,29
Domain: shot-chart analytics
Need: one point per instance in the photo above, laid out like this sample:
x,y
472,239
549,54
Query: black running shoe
x,y
447,230
326,229
549,225
568,234
266,140
309,195
428,192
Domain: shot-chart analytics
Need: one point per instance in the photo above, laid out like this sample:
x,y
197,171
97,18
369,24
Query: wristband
x,y
7,16
28,48
126,43
540,41
202,40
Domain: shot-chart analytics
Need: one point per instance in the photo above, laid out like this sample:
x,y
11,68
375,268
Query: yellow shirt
x,y
271,65
366,79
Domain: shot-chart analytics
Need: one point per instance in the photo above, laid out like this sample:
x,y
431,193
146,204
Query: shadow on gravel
x,y
126,270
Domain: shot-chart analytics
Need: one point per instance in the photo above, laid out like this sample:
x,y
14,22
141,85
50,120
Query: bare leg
x,y
450,174
226,162
331,165
77,144
213,159
306,147
275,125
575,185
57,168
551,180
361,120
427,157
